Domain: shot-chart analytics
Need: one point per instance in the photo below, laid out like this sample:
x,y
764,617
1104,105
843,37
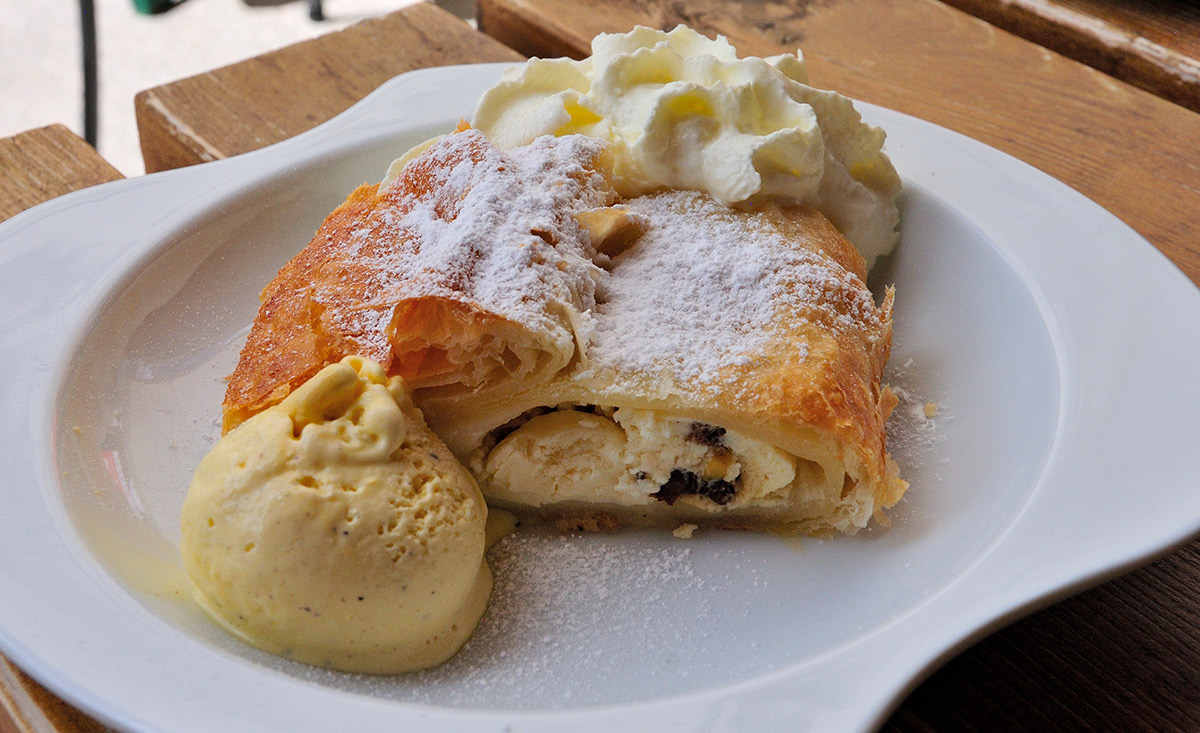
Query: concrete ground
x,y
41,78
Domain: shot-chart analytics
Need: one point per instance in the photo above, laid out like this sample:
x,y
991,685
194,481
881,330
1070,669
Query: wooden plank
x,y
1123,656
27,707
263,100
1134,153
1152,44
37,166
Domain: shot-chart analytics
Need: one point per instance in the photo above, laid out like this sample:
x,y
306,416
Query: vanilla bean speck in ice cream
x,y
682,111
336,529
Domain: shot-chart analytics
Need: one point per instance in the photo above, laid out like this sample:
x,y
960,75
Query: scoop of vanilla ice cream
x,y
336,529
683,111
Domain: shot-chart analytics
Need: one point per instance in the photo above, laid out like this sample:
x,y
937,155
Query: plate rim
x,y
224,175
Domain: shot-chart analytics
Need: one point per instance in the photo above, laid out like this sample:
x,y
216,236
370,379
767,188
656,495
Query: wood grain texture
x,y
1152,44
41,164
1134,153
37,166
1124,656
27,707
268,98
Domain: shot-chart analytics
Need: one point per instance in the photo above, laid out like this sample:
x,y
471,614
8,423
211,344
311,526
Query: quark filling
x,y
629,456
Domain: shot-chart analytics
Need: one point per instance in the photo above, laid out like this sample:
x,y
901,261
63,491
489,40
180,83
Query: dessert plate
x,y
1053,347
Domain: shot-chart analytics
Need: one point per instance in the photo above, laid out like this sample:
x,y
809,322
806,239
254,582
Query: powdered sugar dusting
x,y
557,600
469,222
700,290
558,607
912,433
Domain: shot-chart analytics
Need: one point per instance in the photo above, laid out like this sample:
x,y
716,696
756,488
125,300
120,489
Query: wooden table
x,y
1152,44
1125,655
266,99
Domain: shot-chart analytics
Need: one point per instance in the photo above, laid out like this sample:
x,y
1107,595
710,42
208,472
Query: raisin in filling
x,y
686,483
705,434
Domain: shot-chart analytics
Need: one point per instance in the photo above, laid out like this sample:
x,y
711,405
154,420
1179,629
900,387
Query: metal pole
x,y
87,18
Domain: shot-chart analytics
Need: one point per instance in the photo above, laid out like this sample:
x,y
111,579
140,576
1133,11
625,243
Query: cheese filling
x,y
629,456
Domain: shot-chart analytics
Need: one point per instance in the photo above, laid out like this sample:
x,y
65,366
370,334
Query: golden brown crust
x,y
374,280
843,393
289,341
836,386
318,308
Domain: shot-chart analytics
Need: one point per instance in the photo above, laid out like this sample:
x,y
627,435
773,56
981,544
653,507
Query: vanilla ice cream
x,y
336,529
682,111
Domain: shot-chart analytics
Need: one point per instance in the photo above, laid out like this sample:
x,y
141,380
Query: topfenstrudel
x,y
658,360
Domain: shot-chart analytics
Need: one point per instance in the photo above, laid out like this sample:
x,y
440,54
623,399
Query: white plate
x,y
1060,345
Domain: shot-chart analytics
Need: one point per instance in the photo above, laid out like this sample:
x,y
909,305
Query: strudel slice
x,y
467,268
729,376
660,360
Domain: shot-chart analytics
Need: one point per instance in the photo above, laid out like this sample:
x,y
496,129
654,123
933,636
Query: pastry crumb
x,y
596,522
931,409
684,531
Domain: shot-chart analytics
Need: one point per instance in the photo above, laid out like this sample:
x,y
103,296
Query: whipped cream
x,y
683,111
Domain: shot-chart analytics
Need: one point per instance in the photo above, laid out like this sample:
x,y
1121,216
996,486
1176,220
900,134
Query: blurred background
x,y
41,66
